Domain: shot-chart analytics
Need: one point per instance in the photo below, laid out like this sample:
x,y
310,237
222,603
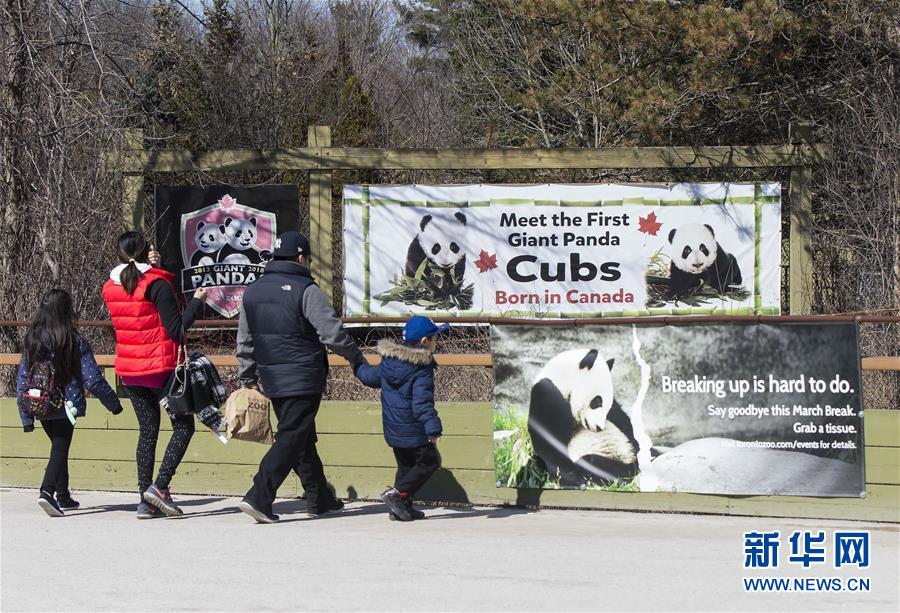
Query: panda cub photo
x,y
696,256
434,271
440,242
579,433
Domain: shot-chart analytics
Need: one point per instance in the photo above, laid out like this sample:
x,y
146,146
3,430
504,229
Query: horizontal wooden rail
x,y
885,362
346,158
443,359
670,320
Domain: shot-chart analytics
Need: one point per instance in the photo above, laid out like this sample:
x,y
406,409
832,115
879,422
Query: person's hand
x,y
201,294
434,439
153,257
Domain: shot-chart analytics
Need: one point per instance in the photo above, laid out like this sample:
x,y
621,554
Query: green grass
x,y
516,465
514,458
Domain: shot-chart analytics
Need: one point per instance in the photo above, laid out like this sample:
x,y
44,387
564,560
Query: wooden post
x,y
133,177
321,218
801,270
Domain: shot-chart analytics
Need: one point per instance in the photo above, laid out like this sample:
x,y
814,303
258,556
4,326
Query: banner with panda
x,y
562,250
715,409
220,237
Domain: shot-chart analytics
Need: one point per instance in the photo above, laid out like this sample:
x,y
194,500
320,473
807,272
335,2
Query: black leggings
x,y
146,407
56,477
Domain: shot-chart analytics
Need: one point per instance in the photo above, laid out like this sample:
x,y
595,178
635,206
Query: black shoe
x,y
67,503
260,516
394,501
416,513
162,500
145,510
333,506
48,503
413,511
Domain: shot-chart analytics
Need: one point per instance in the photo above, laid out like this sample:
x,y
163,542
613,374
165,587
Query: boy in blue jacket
x,y
411,423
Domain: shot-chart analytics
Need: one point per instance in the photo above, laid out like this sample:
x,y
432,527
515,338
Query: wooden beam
x,y
340,158
321,218
800,197
884,362
443,359
133,178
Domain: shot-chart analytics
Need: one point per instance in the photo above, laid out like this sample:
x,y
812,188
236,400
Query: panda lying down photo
x,y
579,432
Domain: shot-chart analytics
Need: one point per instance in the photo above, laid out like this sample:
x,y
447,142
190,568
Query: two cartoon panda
x,y
233,242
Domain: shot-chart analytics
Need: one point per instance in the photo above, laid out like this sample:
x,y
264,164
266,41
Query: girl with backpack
x,y
56,365
149,331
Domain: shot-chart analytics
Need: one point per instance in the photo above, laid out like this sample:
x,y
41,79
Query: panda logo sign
x,y
224,248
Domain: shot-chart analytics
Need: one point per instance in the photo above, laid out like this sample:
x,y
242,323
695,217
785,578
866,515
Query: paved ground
x,y
216,558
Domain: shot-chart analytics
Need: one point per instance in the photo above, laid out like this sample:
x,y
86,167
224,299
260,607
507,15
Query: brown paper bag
x,y
247,412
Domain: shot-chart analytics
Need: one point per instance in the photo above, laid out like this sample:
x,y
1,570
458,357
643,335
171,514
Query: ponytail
x,y
131,249
130,277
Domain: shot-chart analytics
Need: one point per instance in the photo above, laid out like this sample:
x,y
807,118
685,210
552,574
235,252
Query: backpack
x,y
42,396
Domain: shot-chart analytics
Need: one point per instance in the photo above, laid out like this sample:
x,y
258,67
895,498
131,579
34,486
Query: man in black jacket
x,y
286,322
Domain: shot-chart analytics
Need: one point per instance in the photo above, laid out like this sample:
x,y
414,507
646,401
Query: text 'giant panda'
x,y
579,432
697,256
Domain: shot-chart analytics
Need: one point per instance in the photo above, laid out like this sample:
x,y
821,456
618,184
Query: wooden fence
x,y
359,464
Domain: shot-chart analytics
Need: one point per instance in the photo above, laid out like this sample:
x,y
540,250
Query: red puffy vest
x,y
142,345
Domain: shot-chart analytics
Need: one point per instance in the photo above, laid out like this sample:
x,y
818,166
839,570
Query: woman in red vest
x,y
149,330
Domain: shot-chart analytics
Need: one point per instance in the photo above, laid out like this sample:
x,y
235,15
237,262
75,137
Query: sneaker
x,y
332,507
162,500
48,503
416,513
394,501
67,503
260,516
148,511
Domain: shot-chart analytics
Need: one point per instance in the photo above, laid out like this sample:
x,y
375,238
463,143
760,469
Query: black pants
x,y
146,407
415,466
294,449
56,476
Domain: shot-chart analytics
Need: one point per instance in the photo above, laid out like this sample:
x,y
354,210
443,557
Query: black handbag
x,y
179,399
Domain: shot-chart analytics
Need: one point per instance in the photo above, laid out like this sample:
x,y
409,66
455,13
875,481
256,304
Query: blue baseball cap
x,y
419,327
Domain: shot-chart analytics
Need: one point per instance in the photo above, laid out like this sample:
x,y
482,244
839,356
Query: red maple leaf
x,y
648,224
486,261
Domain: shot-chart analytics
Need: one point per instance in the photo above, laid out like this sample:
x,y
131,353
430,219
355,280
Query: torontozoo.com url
x,y
807,584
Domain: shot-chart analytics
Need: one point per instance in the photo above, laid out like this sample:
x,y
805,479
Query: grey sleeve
x,y
318,310
246,361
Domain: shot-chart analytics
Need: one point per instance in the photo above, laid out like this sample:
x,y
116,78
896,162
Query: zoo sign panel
x,y
714,409
221,237
562,250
